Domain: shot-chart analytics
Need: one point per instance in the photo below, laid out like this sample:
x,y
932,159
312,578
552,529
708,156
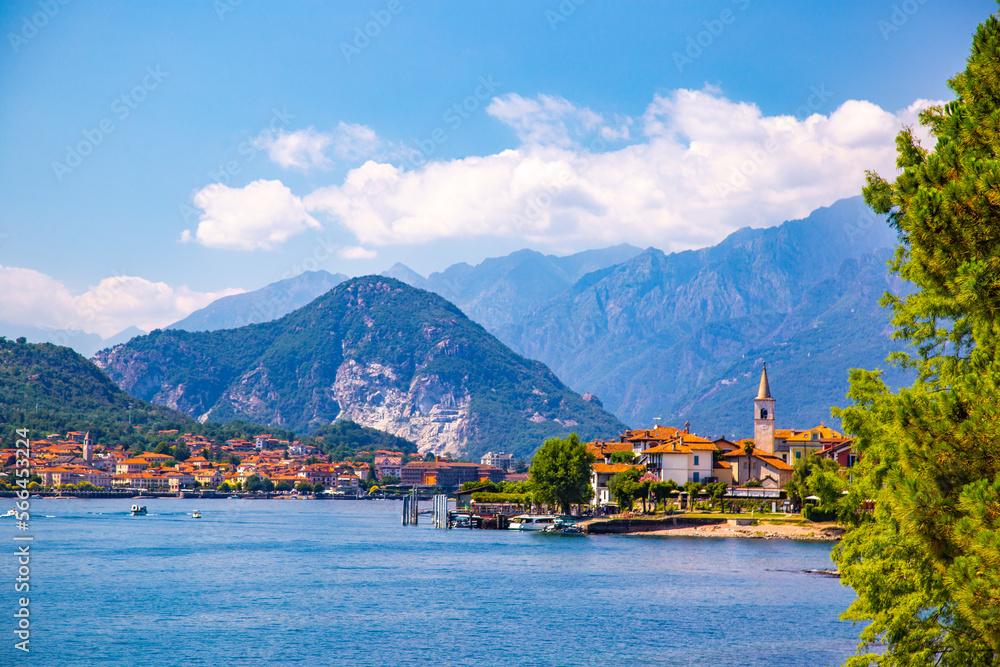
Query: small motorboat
x,y
196,514
564,526
139,510
10,512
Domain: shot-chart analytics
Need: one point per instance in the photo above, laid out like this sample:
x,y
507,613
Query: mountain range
x,y
659,337
681,337
373,350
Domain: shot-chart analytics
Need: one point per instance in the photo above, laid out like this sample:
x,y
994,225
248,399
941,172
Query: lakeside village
x,y
663,466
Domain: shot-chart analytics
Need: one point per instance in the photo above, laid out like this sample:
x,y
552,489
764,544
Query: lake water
x,y
343,583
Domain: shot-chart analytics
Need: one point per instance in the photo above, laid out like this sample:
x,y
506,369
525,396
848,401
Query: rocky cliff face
x,y
429,410
372,350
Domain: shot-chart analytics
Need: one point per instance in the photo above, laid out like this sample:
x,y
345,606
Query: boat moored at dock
x,y
532,521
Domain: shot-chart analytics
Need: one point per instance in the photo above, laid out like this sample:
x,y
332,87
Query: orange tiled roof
x,y
770,459
674,447
613,468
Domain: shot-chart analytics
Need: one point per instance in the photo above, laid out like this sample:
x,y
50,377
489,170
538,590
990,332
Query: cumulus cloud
x,y
259,216
307,149
702,167
694,167
33,298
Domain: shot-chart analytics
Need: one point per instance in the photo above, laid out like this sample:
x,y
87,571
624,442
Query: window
x,y
694,477
798,455
696,463
851,460
763,413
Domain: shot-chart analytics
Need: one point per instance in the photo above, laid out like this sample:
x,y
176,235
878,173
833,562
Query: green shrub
x,y
811,513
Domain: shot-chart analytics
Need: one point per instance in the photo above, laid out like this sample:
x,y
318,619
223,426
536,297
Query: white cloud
x,y
261,215
703,167
307,149
302,149
355,142
356,252
33,298
554,121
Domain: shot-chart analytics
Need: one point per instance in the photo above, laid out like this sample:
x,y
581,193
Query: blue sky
x,y
231,144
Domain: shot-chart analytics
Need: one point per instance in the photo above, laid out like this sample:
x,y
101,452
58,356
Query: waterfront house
x,y
599,476
208,477
129,466
768,469
177,479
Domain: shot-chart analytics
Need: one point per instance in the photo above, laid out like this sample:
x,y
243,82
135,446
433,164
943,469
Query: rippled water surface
x,y
343,583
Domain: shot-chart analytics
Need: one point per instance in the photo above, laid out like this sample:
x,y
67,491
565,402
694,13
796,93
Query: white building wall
x,y
675,467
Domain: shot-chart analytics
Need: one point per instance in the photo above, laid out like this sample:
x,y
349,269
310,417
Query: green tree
x,y
282,486
224,488
318,488
692,489
624,486
661,490
560,473
925,559
716,490
642,492
254,484
303,487
817,476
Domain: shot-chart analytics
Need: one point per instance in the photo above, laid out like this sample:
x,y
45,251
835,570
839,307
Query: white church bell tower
x,y
763,416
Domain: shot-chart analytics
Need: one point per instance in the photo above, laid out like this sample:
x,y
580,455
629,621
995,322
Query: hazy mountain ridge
x,y
373,350
263,305
83,342
503,290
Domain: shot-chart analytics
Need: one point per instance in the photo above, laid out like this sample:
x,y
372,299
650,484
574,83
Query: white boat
x,y
10,512
532,521
138,510
196,514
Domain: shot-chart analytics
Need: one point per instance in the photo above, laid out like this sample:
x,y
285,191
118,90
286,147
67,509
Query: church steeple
x,y
765,388
763,416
